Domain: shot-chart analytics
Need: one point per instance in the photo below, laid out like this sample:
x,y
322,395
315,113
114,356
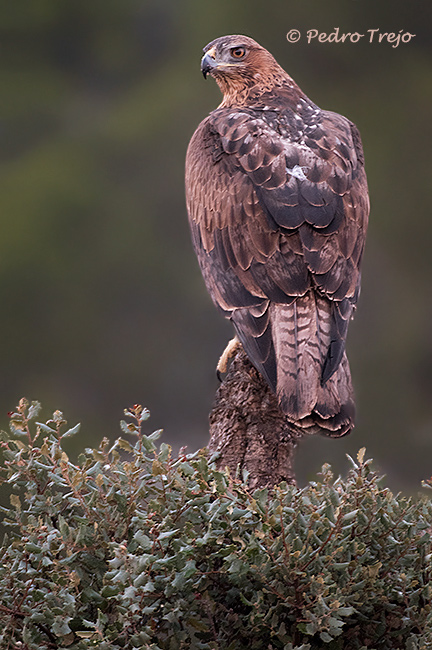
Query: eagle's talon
x,y
226,355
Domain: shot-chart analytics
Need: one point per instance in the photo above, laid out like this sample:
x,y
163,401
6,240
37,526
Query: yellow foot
x,y
226,355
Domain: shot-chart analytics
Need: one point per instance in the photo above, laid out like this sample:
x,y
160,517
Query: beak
x,y
208,62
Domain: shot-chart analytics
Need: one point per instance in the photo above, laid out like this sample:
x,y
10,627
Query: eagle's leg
x,y
226,355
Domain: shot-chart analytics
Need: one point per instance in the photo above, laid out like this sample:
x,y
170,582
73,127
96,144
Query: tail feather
x,y
299,348
304,339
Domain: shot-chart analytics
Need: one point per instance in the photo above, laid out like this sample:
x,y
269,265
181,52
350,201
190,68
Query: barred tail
x,y
313,376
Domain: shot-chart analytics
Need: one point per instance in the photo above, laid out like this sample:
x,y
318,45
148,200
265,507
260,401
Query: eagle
x,y
278,207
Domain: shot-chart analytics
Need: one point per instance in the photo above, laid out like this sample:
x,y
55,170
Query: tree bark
x,y
248,430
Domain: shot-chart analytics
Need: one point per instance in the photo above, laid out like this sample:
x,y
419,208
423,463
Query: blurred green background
x,y
102,301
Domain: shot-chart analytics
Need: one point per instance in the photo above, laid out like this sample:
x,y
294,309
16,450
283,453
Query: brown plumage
x,y
278,207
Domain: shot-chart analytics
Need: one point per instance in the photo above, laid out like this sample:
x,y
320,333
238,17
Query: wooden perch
x,y
249,430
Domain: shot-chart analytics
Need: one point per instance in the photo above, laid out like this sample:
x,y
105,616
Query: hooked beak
x,y
208,62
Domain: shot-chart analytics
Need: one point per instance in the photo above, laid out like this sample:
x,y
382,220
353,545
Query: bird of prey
x,y
278,208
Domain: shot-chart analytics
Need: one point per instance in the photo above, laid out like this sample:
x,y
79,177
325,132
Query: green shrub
x,y
132,548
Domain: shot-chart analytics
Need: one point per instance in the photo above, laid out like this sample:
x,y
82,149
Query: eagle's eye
x,y
238,52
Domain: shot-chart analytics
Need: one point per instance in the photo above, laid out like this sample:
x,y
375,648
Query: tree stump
x,y
248,429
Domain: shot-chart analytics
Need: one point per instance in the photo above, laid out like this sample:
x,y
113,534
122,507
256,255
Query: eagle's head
x,y
239,65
